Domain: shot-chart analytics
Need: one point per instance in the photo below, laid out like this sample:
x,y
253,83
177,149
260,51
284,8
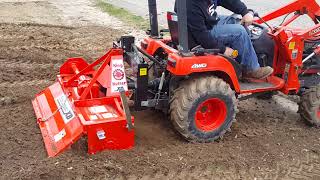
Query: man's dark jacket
x,y
202,16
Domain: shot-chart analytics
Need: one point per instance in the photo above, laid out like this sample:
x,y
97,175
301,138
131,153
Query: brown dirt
x,y
269,141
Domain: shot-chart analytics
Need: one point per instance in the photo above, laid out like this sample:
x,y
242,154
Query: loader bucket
x,y
87,99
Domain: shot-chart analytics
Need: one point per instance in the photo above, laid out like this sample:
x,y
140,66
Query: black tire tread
x,y
310,101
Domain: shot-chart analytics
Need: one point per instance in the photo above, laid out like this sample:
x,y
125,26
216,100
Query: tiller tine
x,y
87,101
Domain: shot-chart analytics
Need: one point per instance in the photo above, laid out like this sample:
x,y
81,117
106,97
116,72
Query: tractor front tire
x,y
202,109
309,106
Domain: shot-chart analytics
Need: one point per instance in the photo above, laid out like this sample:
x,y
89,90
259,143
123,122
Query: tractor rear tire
x,y
309,106
202,109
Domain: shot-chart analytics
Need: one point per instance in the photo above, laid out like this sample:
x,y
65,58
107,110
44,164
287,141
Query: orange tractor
x,y
197,87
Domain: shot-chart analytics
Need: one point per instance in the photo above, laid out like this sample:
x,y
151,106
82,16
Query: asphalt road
x,y
140,7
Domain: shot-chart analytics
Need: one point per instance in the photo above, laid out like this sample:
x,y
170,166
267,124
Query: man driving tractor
x,y
220,32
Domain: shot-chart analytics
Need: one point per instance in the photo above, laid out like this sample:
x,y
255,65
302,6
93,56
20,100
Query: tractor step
x,y
247,86
253,86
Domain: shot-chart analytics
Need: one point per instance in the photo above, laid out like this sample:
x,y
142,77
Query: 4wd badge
x,y
198,66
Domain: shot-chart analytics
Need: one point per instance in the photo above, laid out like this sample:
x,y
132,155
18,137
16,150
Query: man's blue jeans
x,y
236,37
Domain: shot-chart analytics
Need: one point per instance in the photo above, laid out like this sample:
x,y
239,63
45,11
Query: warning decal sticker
x,y
118,78
65,108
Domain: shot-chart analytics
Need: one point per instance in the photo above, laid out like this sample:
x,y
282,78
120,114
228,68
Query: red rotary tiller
x,y
87,101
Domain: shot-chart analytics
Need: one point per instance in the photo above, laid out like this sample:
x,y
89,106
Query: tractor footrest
x,y
253,86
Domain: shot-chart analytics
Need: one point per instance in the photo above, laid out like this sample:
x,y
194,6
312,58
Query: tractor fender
x,y
151,46
224,68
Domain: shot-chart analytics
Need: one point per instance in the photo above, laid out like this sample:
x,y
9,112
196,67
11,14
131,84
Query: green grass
x,y
123,15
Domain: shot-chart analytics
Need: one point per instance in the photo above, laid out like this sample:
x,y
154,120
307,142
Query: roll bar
x,y
182,23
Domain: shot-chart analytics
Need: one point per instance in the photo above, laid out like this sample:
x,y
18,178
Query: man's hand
x,y
247,19
229,52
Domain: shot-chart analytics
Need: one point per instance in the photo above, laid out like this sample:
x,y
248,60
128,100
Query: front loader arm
x,y
311,32
309,7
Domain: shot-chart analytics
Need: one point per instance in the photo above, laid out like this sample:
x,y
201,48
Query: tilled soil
x,y
269,141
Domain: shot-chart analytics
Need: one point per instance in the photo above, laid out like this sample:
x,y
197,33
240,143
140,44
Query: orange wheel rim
x,y
211,114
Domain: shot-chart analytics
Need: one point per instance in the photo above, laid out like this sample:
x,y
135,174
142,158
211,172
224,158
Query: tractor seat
x,y
173,28
174,32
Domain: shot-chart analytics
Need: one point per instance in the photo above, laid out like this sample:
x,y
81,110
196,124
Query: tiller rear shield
x,y
58,122
85,101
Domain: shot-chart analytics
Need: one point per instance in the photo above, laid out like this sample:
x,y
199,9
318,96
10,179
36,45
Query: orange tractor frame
x,y
197,87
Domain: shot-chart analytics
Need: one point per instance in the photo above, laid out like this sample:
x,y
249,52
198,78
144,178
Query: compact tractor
x,y
198,88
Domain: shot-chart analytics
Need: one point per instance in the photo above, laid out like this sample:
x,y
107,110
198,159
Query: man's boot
x,y
261,73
